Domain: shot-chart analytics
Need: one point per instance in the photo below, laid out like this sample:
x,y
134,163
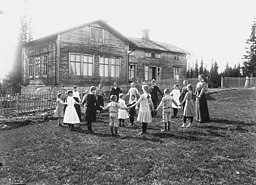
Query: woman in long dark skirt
x,y
201,107
91,106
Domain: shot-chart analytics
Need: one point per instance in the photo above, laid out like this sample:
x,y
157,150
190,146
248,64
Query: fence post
x,y
17,102
222,79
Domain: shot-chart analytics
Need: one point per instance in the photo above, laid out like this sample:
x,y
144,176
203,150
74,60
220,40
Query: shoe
x,y
123,125
188,125
90,131
163,130
183,125
141,133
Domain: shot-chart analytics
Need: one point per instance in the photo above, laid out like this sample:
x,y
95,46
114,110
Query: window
x,y
87,65
147,54
37,66
176,73
132,53
152,72
157,55
152,55
104,64
115,67
31,68
177,57
96,35
81,64
131,72
109,67
44,65
75,64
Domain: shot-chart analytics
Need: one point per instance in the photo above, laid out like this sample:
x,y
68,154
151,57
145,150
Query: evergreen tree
x,y
201,68
195,74
25,35
250,56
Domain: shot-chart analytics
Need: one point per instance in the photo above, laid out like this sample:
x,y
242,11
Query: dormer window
x,y
97,35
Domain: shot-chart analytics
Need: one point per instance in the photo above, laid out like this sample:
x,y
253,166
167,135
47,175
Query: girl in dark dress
x,y
91,106
201,107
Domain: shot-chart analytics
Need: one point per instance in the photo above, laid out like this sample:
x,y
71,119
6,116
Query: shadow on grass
x,y
183,136
147,137
210,98
232,122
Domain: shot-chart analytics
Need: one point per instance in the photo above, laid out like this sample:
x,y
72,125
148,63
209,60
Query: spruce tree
x,y
250,56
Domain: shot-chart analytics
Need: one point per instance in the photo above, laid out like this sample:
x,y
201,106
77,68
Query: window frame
x,y
81,64
108,73
93,40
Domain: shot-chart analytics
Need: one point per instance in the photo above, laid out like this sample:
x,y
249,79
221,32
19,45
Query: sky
x,y
212,30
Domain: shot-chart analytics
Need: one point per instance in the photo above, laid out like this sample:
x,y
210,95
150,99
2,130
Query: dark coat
x,y
116,92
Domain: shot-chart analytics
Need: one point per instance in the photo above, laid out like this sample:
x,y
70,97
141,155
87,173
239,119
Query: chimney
x,y
145,34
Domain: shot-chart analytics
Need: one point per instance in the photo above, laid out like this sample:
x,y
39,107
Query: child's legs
x,y
131,119
190,119
175,111
184,119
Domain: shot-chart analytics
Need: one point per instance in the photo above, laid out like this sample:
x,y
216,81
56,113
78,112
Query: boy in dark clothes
x,y
154,90
132,110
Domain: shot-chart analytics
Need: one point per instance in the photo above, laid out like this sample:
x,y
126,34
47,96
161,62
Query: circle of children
x,y
191,102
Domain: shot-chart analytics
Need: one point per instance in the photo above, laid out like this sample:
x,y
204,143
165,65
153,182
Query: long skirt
x,y
78,108
201,109
70,115
90,114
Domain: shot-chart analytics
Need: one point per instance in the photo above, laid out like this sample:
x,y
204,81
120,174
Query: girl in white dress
x,y
70,116
122,114
176,95
144,115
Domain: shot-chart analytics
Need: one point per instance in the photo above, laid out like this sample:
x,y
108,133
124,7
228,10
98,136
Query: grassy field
x,y
222,151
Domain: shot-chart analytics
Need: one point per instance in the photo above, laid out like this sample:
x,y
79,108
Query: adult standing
x,y
183,93
77,98
133,91
100,97
201,107
115,91
154,90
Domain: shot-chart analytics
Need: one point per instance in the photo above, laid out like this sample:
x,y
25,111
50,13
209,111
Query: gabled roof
x,y
155,45
133,42
100,22
146,44
171,47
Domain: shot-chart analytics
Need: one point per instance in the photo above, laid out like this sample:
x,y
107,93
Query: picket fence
x,y
13,104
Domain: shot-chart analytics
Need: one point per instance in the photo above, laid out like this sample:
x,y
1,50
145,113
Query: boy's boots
x,y
165,127
115,131
168,126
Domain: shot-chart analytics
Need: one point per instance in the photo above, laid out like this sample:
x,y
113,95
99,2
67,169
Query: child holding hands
x,y
189,106
113,107
166,104
132,111
122,114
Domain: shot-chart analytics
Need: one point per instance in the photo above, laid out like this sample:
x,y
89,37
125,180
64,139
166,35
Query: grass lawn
x,y
222,151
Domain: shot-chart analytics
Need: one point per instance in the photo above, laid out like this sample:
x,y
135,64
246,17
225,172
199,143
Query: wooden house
x,y
95,52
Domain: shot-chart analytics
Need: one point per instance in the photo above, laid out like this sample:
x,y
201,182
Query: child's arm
x,y
161,103
183,101
136,102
